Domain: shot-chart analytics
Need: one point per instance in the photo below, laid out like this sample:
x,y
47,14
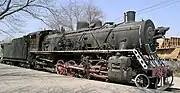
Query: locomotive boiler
x,y
126,35
123,53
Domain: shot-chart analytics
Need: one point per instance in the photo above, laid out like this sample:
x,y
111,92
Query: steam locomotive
x,y
122,53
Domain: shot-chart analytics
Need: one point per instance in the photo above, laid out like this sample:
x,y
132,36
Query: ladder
x,y
139,57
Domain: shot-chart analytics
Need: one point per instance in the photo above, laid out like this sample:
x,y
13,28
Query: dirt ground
x,y
21,80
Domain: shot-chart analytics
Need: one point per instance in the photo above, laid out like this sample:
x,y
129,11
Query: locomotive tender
x,y
123,53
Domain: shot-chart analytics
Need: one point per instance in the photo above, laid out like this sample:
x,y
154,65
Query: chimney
x,y
130,16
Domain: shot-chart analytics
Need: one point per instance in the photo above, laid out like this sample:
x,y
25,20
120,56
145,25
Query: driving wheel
x,y
60,67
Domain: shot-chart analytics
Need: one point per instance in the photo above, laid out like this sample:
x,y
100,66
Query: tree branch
x,y
7,8
3,3
17,10
35,16
10,25
6,33
70,14
12,11
41,6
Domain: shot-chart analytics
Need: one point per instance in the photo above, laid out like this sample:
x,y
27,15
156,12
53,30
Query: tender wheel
x,y
141,80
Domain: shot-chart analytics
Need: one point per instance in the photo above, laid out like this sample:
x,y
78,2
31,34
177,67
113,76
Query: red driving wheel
x,y
60,67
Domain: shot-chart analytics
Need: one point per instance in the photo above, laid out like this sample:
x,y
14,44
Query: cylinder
x,y
131,16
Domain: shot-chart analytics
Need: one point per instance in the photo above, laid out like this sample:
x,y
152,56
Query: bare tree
x,y
13,11
68,14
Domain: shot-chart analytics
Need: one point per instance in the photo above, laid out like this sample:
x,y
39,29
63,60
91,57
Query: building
x,y
169,48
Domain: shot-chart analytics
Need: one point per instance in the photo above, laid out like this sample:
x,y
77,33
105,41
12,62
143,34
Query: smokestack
x,y
130,16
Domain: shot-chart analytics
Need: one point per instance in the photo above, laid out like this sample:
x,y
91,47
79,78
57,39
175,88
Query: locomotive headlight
x,y
151,31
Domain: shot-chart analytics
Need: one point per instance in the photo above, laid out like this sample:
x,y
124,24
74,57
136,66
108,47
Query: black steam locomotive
x,y
124,52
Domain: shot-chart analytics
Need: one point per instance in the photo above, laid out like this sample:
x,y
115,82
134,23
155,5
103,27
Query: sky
x,y
113,11
165,16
